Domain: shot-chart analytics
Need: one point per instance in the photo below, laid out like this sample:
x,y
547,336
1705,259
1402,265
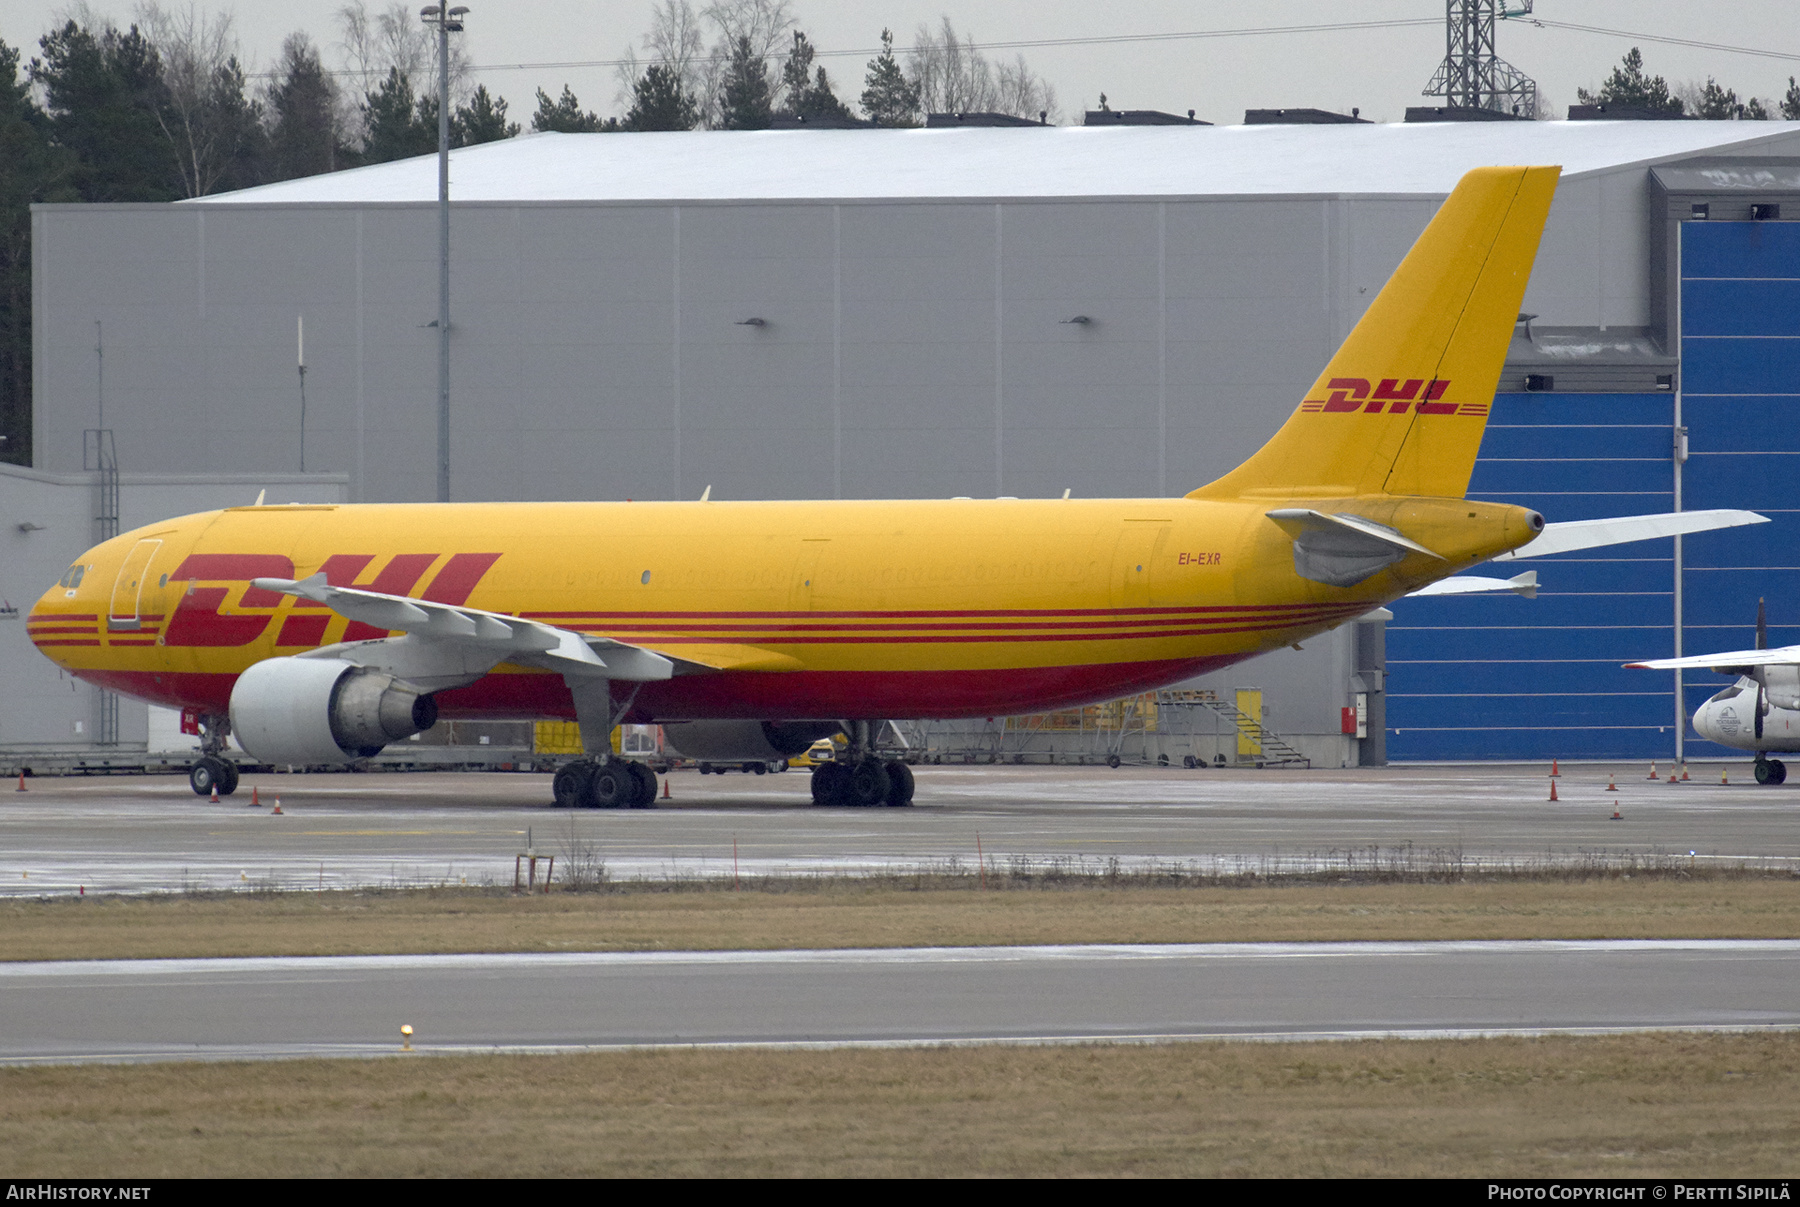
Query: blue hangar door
x,y
1490,677
1740,385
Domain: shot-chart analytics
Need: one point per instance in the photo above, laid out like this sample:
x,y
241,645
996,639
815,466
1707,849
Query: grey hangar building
x,y
825,314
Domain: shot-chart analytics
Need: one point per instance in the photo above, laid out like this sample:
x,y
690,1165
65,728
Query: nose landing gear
x,y
212,769
1770,771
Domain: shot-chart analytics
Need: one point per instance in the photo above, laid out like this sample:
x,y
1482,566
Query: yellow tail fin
x,y
1402,406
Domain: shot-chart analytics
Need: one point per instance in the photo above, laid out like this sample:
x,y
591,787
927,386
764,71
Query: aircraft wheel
x,y
1189,761
207,774
612,786
228,782
1112,760
1765,771
706,768
868,783
828,780
646,786
757,768
1778,771
569,787
900,785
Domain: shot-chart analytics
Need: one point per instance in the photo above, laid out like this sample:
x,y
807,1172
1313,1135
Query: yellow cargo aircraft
x,y
317,634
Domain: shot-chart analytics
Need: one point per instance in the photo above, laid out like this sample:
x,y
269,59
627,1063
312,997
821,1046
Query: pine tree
x,y
1629,86
303,125
563,116
796,75
658,102
1755,110
103,94
483,119
1718,104
889,98
399,125
746,101
1790,104
32,169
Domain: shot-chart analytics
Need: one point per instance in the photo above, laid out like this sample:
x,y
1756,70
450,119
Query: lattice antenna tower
x,y
1472,76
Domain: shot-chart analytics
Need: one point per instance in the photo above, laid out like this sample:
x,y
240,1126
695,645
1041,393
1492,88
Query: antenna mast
x,y
1472,76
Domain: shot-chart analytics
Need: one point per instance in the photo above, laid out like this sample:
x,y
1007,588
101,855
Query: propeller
x,y
1762,687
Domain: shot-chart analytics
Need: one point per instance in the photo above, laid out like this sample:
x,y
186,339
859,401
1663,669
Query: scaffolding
x,y
1156,728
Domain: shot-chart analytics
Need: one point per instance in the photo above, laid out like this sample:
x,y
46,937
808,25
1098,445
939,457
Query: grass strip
x,y
1656,1105
849,913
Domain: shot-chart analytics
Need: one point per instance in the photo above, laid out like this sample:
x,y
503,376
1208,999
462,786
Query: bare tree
x,y
953,76
677,42
1023,94
392,39
204,115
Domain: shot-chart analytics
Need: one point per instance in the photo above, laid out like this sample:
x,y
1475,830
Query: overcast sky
x,y
1379,70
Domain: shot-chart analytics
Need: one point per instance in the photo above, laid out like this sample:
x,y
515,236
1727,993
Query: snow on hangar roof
x,y
1425,158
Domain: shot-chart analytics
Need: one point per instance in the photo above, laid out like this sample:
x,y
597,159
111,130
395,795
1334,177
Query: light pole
x,y
447,21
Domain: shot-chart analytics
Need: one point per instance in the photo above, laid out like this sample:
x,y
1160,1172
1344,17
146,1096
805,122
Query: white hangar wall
x,y
600,350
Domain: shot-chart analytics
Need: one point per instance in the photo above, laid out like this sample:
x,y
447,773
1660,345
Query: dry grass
x,y
1626,1106
848,914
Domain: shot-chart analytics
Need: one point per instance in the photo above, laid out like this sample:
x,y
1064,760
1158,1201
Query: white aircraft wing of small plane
x,y
1787,655
1568,536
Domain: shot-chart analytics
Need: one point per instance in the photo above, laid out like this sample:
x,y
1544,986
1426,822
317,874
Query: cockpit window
x,y
1726,693
72,579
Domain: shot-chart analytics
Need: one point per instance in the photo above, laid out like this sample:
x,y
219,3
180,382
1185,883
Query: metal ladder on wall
x,y
1275,748
99,458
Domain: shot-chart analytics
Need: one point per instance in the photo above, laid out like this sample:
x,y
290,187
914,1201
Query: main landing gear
x,y
604,784
1770,771
213,771
860,778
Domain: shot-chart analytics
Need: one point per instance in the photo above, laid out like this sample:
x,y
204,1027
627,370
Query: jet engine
x,y
323,710
745,741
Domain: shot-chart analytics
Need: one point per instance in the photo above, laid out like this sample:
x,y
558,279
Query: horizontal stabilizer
x,y
1571,535
1342,550
1525,584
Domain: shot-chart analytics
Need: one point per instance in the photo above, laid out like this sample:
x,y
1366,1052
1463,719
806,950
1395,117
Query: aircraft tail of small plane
x,y
1401,408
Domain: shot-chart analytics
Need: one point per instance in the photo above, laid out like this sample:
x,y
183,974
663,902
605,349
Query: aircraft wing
x,y
1570,535
1525,584
475,635
1787,655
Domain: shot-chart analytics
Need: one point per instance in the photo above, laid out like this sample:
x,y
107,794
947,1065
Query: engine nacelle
x,y
1783,684
745,741
323,710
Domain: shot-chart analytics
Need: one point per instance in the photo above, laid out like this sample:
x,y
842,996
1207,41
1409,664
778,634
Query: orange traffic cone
x,y
1673,778
1722,778
1617,816
1610,786
21,786
1554,773
665,787
276,811
214,798
254,798
1653,774
1552,789
1684,774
